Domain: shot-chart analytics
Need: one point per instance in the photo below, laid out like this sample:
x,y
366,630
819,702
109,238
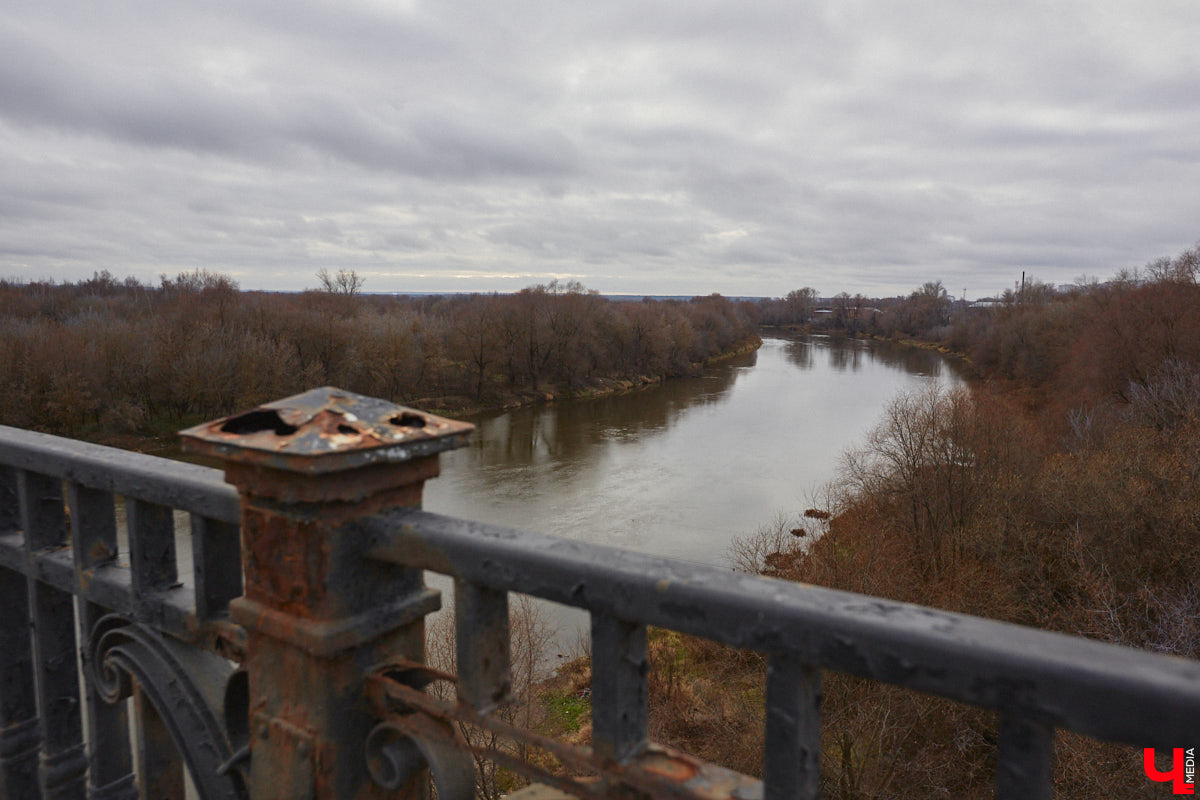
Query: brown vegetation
x,y
1063,491
102,357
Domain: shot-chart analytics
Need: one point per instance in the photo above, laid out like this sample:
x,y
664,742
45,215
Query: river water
x,y
680,469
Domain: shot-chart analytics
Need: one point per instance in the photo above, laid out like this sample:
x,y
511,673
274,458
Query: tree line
x,y
105,355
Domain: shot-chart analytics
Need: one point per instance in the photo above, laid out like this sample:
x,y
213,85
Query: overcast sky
x,y
689,147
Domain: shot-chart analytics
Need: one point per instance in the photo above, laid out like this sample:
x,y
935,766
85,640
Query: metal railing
x,y
59,544
309,681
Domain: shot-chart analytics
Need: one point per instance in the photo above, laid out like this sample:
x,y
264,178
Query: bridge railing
x,y
286,659
66,588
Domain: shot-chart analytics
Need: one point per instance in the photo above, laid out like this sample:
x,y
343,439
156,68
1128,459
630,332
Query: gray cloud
x,y
711,146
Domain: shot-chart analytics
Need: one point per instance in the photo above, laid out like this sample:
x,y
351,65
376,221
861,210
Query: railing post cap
x,y
326,430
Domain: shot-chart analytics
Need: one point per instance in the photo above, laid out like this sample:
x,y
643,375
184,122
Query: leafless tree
x,y
345,282
922,455
800,303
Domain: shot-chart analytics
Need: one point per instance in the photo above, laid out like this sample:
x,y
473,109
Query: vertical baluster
x,y
10,509
20,733
618,687
64,762
793,748
152,559
1025,761
94,542
151,547
217,565
483,645
42,514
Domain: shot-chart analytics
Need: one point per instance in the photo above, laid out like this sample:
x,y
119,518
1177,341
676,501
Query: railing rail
x,y
86,563
1094,688
175,484
1037,680
324,616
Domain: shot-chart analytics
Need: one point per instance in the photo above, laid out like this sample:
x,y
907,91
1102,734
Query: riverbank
x,y
161,437
510,399
507,400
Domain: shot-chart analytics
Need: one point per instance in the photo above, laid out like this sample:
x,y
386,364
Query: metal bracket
x,y
398,749
409,713
178,682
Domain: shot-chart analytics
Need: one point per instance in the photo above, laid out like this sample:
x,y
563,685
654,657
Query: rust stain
x,y
325,430
670,767
99,552
285,561
334,489
393,693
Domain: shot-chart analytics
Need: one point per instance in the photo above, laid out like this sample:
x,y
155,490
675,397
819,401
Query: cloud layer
x,y
649,147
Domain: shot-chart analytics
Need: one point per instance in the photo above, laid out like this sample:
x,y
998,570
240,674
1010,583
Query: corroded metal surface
x,y
326,430
315,610
658,772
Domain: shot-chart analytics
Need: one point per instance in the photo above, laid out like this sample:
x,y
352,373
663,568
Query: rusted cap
x,y
326,430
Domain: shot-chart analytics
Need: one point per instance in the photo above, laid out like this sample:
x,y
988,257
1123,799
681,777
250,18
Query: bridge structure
x,y
261,630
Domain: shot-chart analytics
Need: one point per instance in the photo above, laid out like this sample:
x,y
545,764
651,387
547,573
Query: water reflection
x,y
568,432
682,468
853,355
799,352
844,355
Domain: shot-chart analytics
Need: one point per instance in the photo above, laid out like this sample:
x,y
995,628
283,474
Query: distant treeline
x,y
1058,338
109,356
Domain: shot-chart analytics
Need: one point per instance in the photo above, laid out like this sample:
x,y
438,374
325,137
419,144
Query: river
x,y
680,469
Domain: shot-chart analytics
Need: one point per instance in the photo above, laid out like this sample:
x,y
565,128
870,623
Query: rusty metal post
x,y
317,612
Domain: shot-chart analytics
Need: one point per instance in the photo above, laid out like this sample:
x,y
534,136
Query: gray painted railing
x,y
307,680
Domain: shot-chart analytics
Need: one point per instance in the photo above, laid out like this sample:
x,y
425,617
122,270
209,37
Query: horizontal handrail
x,y
1102,690
176,484
186,609
108,585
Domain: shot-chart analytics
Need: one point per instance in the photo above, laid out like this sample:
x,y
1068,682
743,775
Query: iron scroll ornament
x,y
184,685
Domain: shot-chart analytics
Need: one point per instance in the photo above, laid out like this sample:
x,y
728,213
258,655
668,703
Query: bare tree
x,y
473,336
1183,268
346,282
800,303
923,456
767,549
